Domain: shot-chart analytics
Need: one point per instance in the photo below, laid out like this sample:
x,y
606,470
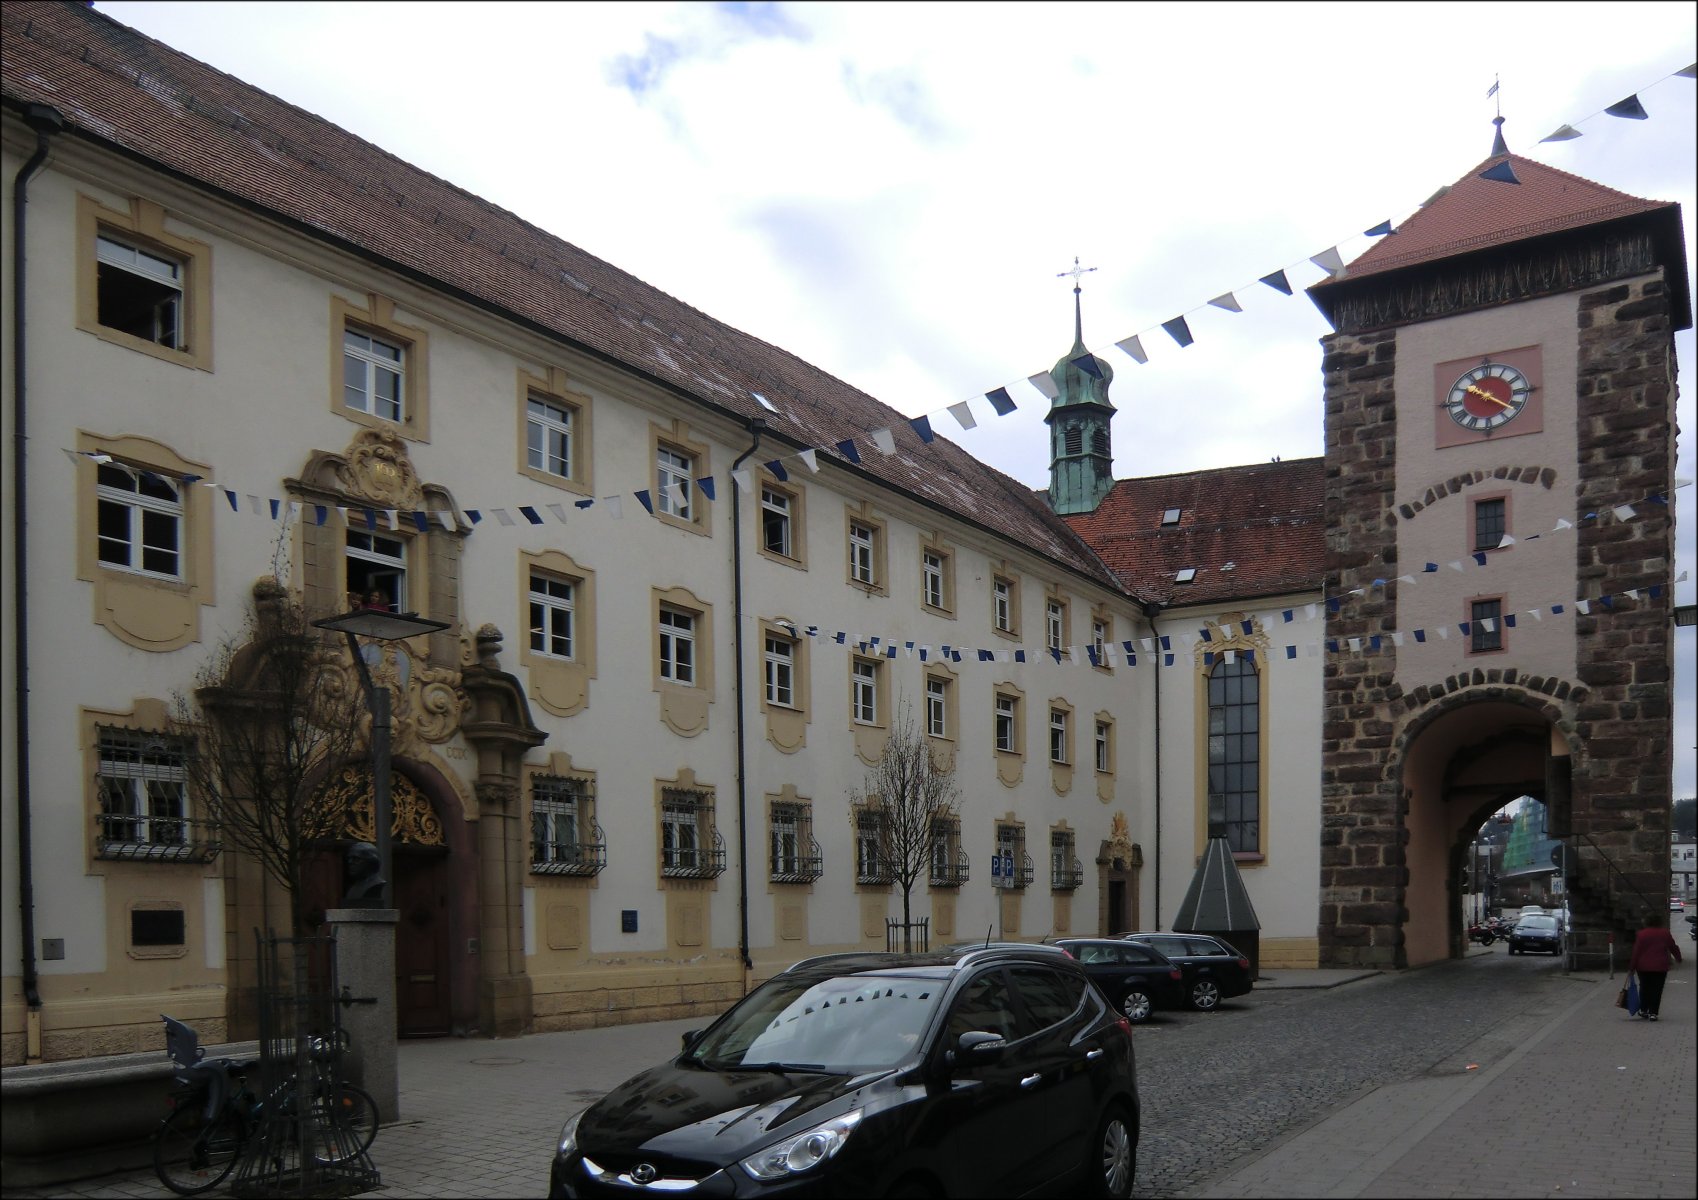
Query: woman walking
x,y
1653,948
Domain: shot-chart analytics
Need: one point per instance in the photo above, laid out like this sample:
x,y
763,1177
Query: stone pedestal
x,y
365,969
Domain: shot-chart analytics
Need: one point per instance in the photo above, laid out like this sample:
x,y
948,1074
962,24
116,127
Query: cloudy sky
x,y
891,190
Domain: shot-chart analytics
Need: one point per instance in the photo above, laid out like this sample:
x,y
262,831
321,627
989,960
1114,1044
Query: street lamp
x,y
384,626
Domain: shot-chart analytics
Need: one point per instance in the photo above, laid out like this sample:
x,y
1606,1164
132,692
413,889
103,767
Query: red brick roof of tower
x,y
1475,213
117,87
1249,532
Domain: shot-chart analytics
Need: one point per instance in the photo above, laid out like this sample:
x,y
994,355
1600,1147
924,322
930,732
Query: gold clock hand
x,y
1481,392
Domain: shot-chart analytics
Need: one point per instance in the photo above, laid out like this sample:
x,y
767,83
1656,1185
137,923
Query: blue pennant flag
x,y
1480,558
645,500
847,449
1288,615
1278,282
1056,654
1333,603
1607,601
421,522
1179,331
1556,610
923,427
1380,230
840,637
1509,621
1430,568
1205,634
1091,653
1420,635
530,514
371,518
1247,626
987,656
1167,660
474,515
1291,652
1019,656
1001,401
1629,108
1502,173
321,513
1209,658
707,486
1088,364
582,503
1464,627
778,471
275,504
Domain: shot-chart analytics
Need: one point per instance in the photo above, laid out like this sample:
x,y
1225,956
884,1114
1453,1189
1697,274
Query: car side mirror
x,y
979,1046
691,1037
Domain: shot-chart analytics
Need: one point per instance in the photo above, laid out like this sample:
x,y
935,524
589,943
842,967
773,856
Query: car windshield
x,y
843,1025
1548,923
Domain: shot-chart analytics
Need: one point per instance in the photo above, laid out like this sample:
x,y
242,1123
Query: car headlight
x,y
569,1133
803,1152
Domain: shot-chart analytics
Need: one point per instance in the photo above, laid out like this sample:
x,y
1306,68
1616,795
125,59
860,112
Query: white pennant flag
x,y
1355,645
615,507
1308,612
1633,592
1329,261
1135,347
1488,624
1444,632
1585,606
1623,512
1045,383
1563,524
1536,614
740,477
675,493
883,439
502,515
342,511
392,515
559,511
963,415
1456,564
1231,656
1507,541
1229,302
811,460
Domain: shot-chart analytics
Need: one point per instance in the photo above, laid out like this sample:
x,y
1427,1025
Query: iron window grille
x,y
872,864
1487,632
144,801
565,838
1489,524
796,856
690,846
950,865
1065,871
1011,842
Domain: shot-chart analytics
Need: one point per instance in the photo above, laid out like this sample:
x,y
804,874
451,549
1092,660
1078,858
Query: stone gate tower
x,y
1500,396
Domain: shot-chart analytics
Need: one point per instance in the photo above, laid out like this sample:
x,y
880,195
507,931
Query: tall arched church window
x,y
1235,755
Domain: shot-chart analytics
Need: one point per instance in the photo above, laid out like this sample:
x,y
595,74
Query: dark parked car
x,y
1214,971
1536,933
1137,979
996,1071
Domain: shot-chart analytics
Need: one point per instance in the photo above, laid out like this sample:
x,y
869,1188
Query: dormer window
x,y
1186,575
1169,516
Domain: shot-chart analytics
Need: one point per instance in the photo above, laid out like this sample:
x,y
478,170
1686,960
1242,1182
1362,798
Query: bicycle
x,y
214,1114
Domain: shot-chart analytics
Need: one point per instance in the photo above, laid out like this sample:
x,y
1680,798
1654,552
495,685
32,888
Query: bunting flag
x,y
923,427
1629,108
1380,230
1564,133
1501,173
1329,260
1227,301
1045,383
1088,364
1179,331
1135,347
1278,282
963,415
884,441
847,449
1000,401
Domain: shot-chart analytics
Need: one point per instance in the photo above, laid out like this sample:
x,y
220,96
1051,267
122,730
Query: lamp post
x,y
370,932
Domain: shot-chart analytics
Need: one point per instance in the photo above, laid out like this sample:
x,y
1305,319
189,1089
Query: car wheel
x,y
1205,996
1136,1005
1112,1157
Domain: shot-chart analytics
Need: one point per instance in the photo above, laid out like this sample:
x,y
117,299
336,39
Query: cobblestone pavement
x,y
1491,1076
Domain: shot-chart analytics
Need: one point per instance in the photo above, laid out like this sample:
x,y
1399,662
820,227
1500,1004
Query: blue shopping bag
x,y
1633,995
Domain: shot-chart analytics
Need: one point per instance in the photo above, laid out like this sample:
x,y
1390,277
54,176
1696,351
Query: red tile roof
x,y
115,86
1247,531
1475,213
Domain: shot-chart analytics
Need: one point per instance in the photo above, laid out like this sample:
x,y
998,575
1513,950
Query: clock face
x,y
1487,397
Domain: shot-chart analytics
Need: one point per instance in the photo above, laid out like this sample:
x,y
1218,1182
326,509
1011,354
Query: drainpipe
x,y
1152,610
757,426
44,119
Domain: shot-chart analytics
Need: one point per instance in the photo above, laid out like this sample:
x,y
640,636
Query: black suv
x,y
1214,971
994,1071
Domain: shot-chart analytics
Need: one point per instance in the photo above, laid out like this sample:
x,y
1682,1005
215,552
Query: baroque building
x,y
692,585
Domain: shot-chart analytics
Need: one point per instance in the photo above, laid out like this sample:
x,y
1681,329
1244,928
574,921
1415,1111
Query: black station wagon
x,y
997,1071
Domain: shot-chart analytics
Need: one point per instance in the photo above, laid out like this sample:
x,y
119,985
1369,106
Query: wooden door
x,y
421,944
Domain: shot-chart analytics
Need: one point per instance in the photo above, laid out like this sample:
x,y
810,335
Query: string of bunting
x,y
320,514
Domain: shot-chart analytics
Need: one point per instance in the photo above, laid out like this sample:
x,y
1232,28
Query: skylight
x,y
1170,516
1186,575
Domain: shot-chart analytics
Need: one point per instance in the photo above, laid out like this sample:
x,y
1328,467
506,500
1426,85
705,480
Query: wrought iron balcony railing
x,y
799,868
678,862
570,858
950,872
155,839
1064,878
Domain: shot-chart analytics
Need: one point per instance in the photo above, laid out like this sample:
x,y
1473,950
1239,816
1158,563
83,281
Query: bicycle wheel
x,y
351,1122
193,1155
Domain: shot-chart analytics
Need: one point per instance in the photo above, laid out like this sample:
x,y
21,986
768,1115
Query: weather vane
x,y
1077,272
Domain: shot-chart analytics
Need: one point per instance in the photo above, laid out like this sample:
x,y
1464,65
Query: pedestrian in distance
x,y
1653,950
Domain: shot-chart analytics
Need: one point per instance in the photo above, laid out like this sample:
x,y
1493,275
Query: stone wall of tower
x,y
1622,776
1363,874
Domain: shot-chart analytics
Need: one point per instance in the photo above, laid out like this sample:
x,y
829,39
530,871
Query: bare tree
x,y
273,712
910,796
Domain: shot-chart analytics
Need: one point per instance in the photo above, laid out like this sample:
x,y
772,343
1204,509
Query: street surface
x,y
1485,1077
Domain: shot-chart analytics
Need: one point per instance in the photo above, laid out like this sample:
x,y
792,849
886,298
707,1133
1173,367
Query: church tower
x,y
1500,398
1081,465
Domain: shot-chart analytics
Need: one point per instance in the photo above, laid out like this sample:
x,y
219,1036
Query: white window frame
x,y
365,397
560,803
137,508
1002,608
674,467
1055,623
1007,724
777,514
678,659
373,549
863,691
863,542
1099,640
870,865
154,268
937,707
681,841
548,436
780,671
553,616
1058,736
1103,733
931,579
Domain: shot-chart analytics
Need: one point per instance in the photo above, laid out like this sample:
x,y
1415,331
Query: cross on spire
x,y
1077,272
